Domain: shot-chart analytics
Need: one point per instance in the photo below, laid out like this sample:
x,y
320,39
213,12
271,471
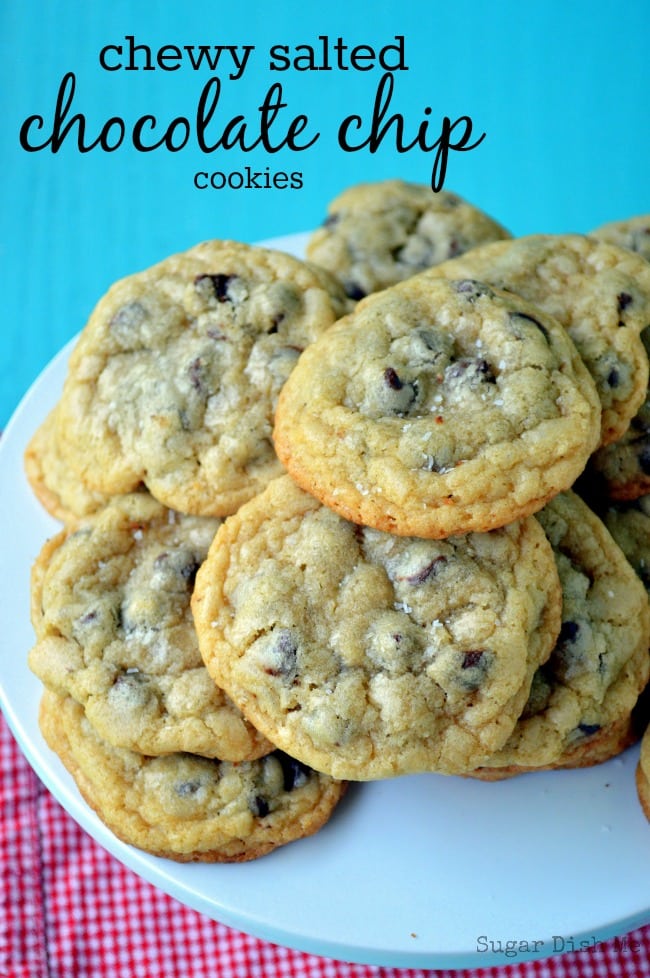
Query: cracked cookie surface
x,y
114,630
438,407
377,234
184,807
368,655
600,664
598,292
174,379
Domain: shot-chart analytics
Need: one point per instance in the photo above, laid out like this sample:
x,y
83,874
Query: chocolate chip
x,y
172,566
401,395
196,373
354,291
131,692
88,617
483,369
613,378
294,773
189,570
283,655
218,284
569,632
127,622
529,319
391,378
471,659
471,289
474,665
187,788
541,690
641,424
429,570
259,806
588,729
471,368
623,300
397,254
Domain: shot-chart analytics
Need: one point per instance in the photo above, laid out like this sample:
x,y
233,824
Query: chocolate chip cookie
x,y
377,234
582,698
174,379
598,292
114,630
187,808
438,407
367,655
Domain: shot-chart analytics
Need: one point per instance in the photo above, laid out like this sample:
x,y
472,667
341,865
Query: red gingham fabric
x,y
70,910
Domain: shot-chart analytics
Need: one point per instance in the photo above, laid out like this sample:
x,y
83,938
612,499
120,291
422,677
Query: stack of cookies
x,y
326,521
163,428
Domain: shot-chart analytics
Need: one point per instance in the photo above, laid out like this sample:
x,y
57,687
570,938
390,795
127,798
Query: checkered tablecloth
x,y
70,910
